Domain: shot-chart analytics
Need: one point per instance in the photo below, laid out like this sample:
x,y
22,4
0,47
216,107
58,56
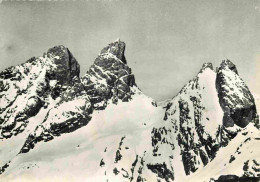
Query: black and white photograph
x,y
129,90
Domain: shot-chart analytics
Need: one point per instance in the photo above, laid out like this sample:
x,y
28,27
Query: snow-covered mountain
x,y
58,126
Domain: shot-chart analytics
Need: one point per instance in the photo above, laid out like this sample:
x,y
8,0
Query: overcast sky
x,y
166,41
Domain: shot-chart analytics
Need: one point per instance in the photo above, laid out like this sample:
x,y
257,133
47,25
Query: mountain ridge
x,y
106,106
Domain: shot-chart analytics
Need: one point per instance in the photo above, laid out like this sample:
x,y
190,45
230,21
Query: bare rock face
x,y
109,76
205,66
234,96
67,66
116,48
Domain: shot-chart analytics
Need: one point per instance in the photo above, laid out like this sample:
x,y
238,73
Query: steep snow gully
x,y
58,126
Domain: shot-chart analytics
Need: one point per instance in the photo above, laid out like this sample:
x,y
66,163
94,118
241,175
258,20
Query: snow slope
x,y
233,158
77,153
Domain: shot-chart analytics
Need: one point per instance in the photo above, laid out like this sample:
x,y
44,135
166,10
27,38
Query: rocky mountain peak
x,y
33,85
110,76
227,64
205,66
234,96
67,65
117,48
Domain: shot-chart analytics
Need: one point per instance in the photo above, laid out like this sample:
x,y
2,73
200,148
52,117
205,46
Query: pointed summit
x,y
116,48
205,66
35,83
111,75
227,64
235,98
67,65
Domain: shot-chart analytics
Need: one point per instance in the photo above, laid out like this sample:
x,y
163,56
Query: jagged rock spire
x,y
67,65
234,96
110,72
205,66
227,64
117,48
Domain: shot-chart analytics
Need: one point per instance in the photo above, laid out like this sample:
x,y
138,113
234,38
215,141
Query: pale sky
x,y
166,41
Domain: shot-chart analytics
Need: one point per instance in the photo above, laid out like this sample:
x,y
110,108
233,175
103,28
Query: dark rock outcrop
x,y
116,48
109,76
162,171
228,178
67,66
205,66
234,96
234,178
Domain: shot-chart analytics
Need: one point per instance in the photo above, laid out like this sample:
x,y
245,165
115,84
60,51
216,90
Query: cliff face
x,y
101,127
234,96
109,77
67,66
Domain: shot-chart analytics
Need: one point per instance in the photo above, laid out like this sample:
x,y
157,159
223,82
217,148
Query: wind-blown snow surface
x,y
101,127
